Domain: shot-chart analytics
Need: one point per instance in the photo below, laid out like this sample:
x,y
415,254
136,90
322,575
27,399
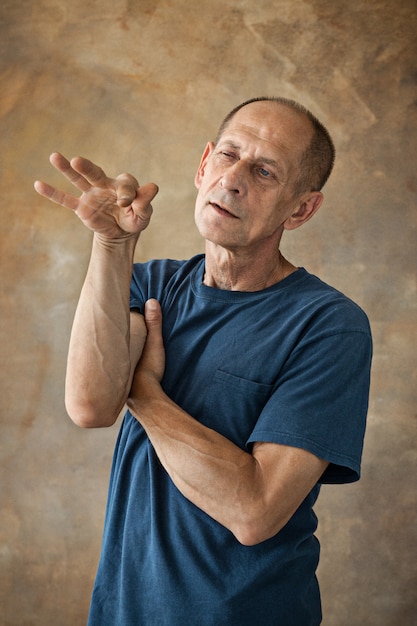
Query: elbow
x,y
85,415
252,532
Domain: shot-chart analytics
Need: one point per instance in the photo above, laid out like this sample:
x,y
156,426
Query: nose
x,y
234,178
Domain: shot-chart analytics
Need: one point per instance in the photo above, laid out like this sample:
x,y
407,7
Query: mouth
x,y
222,210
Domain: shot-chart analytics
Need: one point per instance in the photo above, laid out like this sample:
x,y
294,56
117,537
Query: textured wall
x,y
140,86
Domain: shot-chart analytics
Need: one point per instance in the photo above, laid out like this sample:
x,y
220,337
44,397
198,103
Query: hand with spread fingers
x,y
104,347
112,207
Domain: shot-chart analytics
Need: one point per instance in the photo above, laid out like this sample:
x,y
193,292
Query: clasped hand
x,y
111,207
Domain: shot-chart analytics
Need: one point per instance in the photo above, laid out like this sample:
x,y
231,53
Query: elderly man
x,y
246,379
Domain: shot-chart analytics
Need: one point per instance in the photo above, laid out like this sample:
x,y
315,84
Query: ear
x,y
307,206
201,168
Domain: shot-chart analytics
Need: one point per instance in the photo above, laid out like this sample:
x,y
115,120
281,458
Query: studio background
x,y
141,86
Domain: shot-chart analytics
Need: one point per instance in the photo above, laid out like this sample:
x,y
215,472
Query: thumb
x,y
144,196
153,315
153,357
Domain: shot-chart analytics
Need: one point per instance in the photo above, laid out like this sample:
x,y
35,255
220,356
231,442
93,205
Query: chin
x,y
214,233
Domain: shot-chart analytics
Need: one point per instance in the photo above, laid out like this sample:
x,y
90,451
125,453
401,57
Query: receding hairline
x,y
279,101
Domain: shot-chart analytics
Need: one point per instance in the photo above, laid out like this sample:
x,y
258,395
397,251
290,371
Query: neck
x,y
240,272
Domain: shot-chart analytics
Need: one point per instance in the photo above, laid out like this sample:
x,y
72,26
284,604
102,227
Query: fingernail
x,y
152,304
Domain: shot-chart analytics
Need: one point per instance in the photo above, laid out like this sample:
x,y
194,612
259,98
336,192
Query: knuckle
x,y
128,179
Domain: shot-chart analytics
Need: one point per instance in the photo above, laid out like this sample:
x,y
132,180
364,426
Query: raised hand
x,y
112,207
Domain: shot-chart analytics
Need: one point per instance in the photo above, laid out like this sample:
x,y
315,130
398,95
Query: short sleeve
x,y
149,280
321,400
137,298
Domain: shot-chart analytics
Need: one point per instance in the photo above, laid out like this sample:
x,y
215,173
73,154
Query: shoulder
x,y
159,272
165,267
325,307
153,279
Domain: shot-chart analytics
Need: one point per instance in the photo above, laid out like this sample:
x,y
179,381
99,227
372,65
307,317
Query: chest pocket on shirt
x,y
232,405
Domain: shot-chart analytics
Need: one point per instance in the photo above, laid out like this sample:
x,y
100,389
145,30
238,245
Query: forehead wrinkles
x,y
276,124
262,133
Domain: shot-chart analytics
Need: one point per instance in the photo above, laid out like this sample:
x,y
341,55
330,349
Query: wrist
x,y
145,391
123,247
127,240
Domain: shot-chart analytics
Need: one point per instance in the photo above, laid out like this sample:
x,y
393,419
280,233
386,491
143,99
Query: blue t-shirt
x,y
290,365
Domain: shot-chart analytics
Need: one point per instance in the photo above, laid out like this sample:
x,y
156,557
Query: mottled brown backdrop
x,y
140,86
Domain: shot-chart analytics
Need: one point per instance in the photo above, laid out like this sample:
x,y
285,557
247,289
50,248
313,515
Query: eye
x,y
264,173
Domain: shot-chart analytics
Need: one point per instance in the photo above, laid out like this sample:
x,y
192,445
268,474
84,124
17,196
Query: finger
x,y
92,173
142,204
153,357
153,319
55,195
64,166
153,315
126,189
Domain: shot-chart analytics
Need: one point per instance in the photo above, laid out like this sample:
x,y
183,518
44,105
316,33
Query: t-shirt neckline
x,y
213,293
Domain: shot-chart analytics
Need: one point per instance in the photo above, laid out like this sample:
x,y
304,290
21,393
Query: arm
x,y
253,495
106,341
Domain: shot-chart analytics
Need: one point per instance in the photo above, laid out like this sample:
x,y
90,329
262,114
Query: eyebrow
x,y
265,160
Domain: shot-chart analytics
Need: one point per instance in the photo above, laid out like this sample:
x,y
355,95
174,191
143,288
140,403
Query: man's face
x,y
245,183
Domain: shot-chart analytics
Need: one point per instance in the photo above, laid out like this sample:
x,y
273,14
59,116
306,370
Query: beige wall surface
x,y
140,86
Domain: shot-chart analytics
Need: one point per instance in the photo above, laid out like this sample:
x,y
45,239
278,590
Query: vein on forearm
x,y
98,370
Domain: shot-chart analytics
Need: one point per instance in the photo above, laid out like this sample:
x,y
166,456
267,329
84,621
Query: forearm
x,y
99,361
212,472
